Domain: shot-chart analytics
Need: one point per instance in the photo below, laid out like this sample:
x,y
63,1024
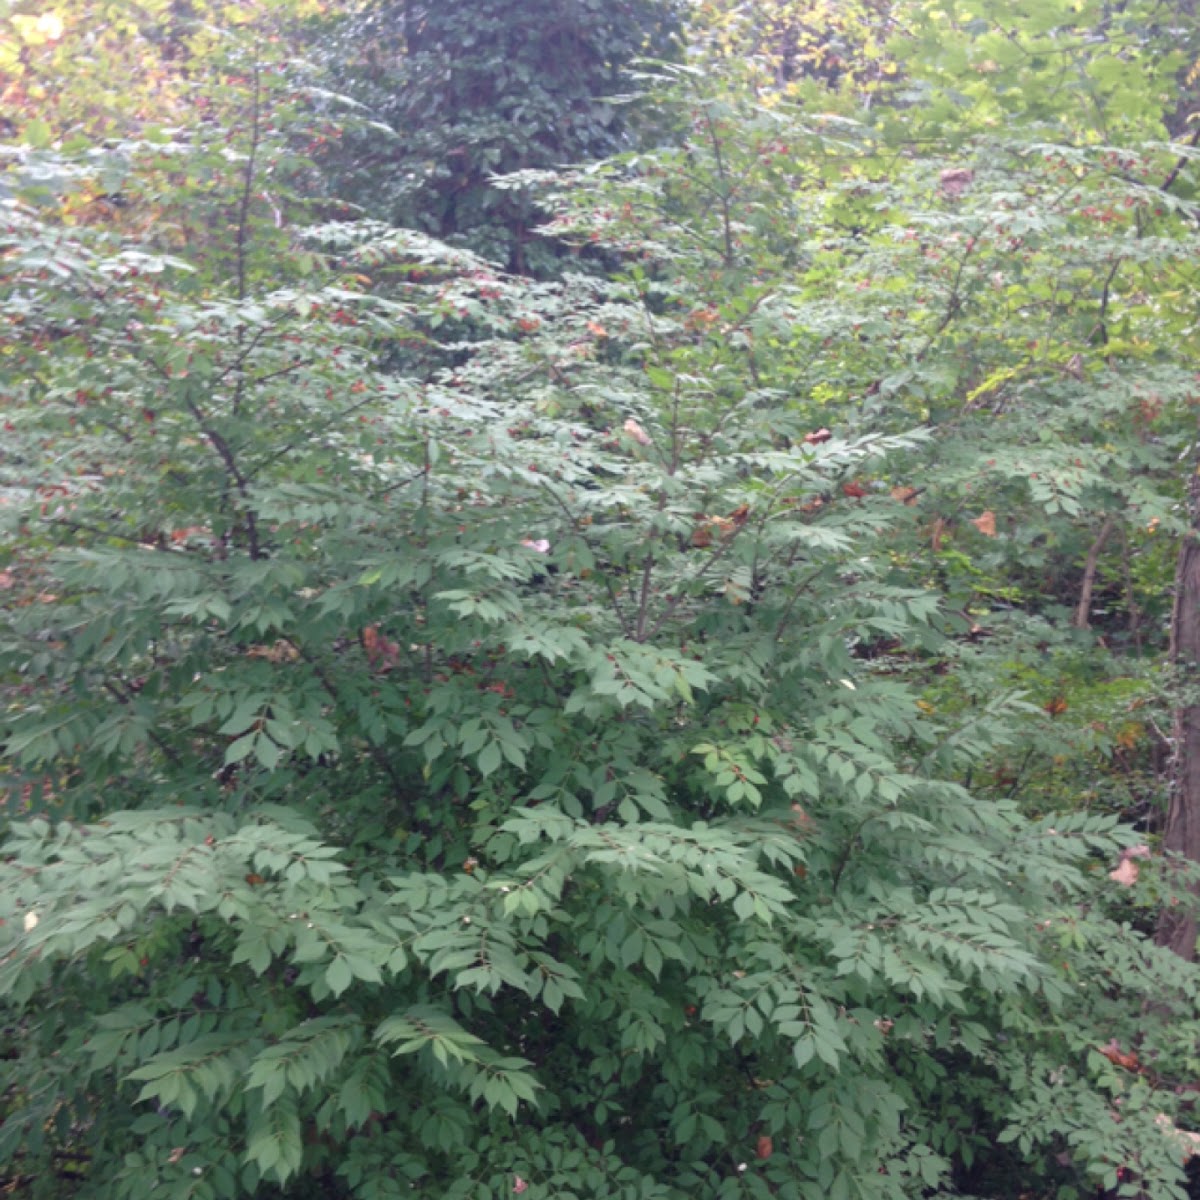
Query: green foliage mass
x,y
469,735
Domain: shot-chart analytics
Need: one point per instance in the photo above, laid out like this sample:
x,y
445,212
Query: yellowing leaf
x,y
38,134
36,31
50,26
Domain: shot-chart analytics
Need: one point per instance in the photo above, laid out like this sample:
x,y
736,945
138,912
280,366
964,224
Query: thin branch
x,y
309,434
294,366
124,698
1101,326
1135,622
673,467
243,232
226,455
1083,610
797,592
84,527
1181,162
639,633
244,351
243,218
618,612
322,675
218,443
953,307
724,195
395,487
682,591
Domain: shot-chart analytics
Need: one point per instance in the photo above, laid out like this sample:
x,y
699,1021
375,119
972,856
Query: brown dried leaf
x,y
985,523
636,432
1118,1057
955,180
1125,873
280,651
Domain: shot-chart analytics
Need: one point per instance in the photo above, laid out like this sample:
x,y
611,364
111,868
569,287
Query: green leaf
x,y
489,759
338,975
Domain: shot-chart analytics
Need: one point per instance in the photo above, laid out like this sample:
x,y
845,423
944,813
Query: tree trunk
x,y
1181,835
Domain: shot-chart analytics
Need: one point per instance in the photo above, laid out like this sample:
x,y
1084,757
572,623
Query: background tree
x,y
472,90
797,47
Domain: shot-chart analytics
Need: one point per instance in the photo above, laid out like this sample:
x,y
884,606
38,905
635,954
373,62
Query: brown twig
x,y
1083,610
